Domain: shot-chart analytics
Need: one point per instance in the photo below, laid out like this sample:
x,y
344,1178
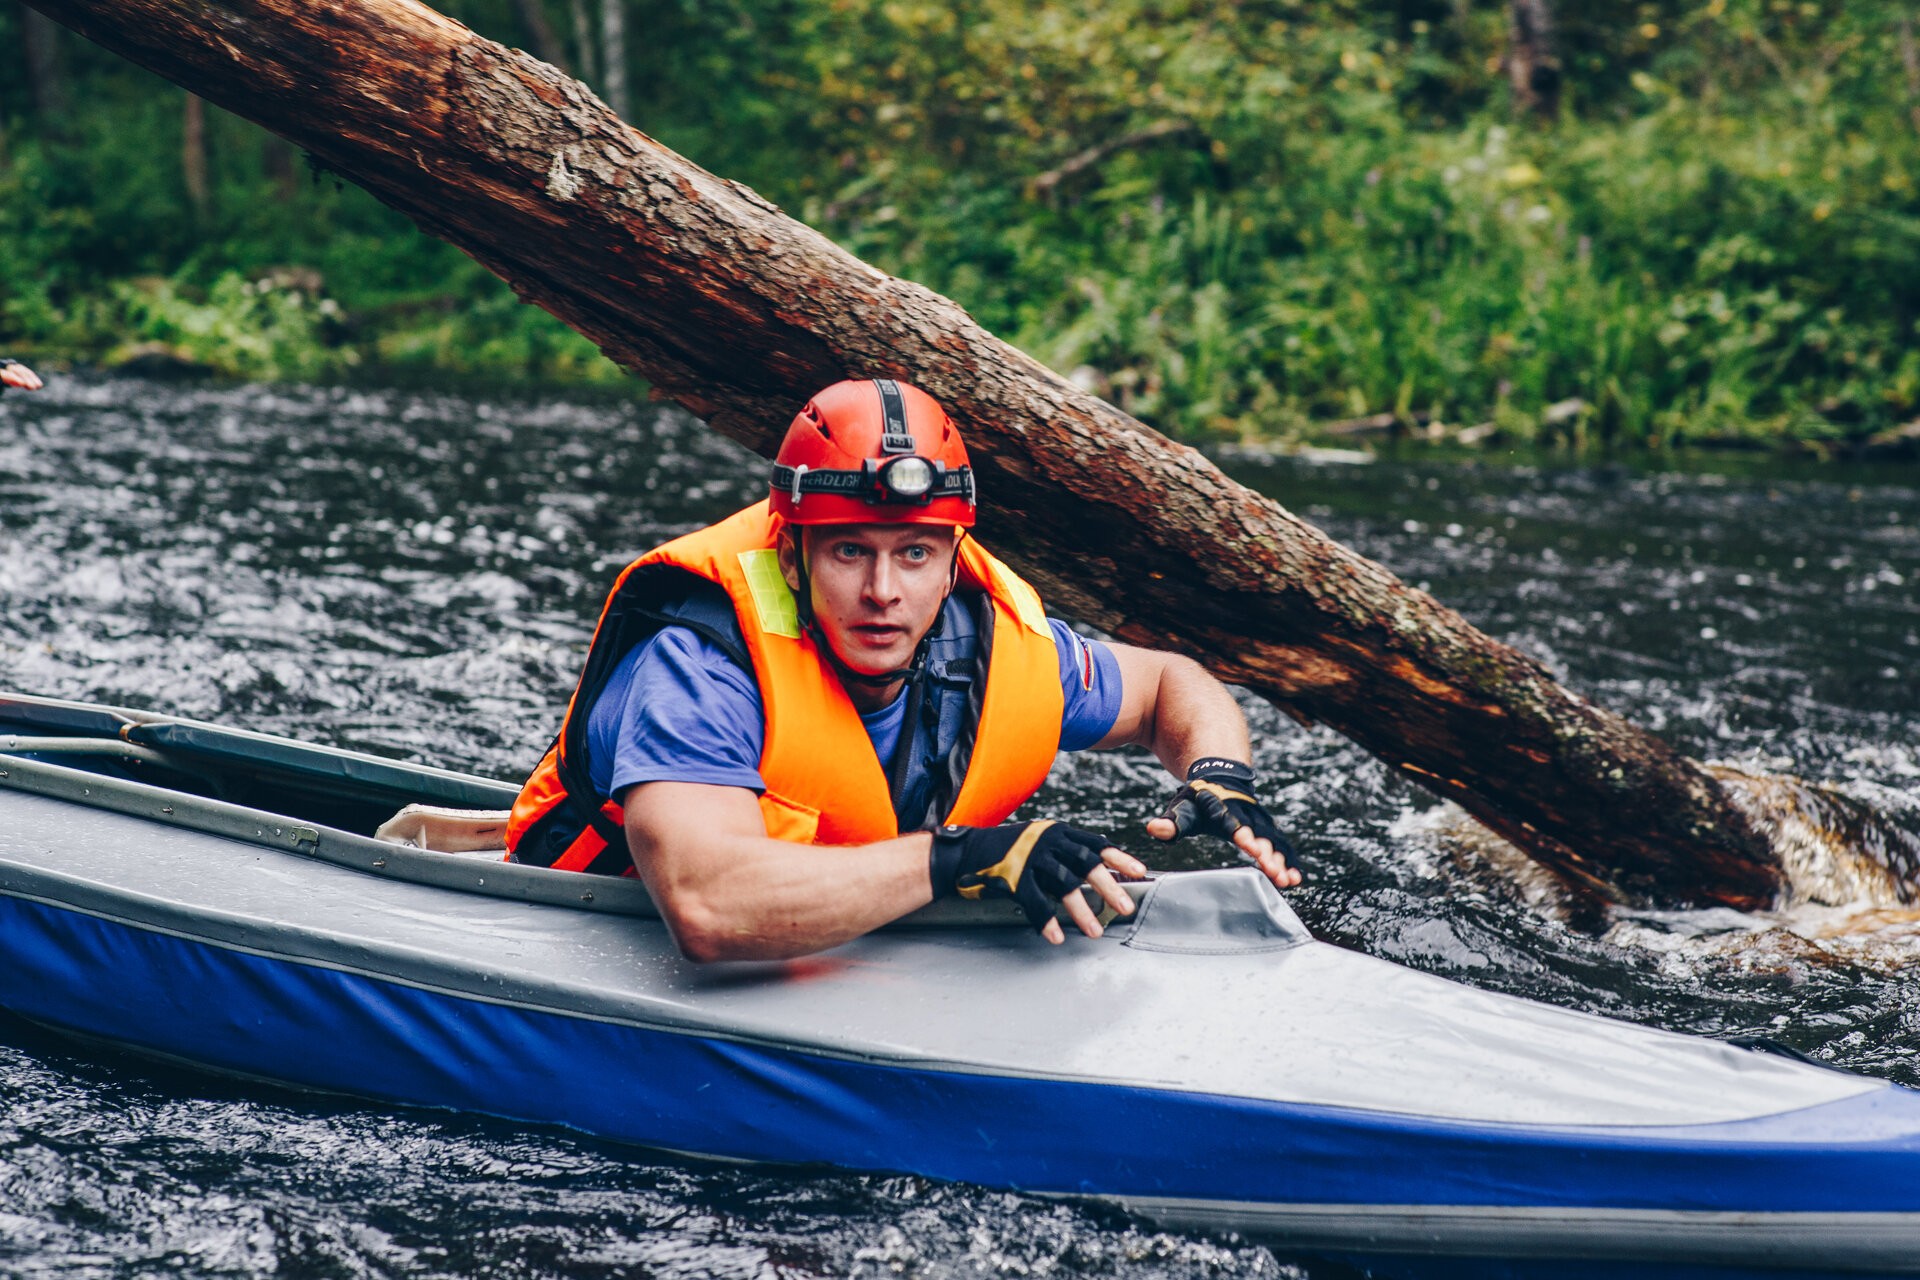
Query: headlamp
x,y
897,481
907,479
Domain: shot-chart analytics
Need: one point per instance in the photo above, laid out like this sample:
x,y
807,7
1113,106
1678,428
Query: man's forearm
x,y
1194,717
1170,705
728,894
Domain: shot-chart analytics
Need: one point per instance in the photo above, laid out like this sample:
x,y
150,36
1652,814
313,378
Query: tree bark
x,y
613,56
1910,63
46,71
583,40
1533,62
193,153
739,313
277,160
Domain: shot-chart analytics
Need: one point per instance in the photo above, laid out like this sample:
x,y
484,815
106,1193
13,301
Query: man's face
x,y
876,587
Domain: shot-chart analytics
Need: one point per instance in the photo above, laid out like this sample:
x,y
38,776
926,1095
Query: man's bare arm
x,y
728,891
1171,706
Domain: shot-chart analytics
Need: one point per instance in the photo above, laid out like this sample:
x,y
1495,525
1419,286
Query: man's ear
x,y
788,550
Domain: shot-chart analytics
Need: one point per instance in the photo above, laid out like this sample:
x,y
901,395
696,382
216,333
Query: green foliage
x,y
1230,219
282,273
1715,240
268,328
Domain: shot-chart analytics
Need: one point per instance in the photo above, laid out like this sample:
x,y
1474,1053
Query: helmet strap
x,y
803,595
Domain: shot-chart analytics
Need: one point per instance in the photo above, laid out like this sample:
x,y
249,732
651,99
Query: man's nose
x,y
883,582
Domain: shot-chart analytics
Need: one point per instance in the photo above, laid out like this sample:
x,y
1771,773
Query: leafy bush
x,y
272,328
1231,220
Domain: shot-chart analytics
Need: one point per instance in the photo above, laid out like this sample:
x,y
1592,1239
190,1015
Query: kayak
x,y
215,896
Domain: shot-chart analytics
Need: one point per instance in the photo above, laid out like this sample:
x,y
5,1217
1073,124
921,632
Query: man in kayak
x,y
18,376
842,665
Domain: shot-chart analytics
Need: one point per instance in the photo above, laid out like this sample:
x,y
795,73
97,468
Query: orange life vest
x,y
824,783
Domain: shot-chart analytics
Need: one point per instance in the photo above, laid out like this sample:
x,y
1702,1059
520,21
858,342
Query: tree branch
x,y
1043,184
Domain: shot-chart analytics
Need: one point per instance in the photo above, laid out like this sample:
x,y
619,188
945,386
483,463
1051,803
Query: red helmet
x,y
873,452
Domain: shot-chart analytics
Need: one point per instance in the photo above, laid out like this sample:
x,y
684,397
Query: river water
x,y
416,573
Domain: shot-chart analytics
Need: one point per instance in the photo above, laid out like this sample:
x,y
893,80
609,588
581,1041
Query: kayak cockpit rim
x,y
44,761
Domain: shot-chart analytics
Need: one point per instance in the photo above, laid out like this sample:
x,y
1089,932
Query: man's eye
x,y
917,554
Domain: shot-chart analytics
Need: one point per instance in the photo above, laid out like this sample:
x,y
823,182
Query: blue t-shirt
x,y
678,709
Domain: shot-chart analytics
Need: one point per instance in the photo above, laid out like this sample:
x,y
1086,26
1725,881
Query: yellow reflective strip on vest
x,y
1025,601
772,597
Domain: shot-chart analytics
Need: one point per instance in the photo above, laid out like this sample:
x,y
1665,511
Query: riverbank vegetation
x,y
1616,225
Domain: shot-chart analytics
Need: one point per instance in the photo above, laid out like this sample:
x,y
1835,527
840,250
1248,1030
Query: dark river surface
x,y
416,574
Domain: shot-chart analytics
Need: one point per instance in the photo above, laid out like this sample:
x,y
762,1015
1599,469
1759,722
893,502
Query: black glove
x,y
1217,800
1034,863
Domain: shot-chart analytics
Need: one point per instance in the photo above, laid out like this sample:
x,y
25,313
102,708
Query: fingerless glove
x,y
1035,863
1217,800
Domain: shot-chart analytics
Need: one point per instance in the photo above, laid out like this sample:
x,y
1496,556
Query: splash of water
x,y
1851,873
1835,850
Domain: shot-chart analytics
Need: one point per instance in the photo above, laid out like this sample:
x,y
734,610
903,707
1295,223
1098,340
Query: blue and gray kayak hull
x,y
1206,1063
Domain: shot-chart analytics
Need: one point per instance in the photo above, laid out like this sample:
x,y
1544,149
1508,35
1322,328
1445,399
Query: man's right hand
x,y
1038,865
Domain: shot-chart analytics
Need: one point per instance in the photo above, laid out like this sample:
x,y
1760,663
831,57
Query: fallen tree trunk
x,y
738,312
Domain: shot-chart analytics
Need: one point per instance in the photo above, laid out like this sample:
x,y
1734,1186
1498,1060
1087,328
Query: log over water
x,y
738,312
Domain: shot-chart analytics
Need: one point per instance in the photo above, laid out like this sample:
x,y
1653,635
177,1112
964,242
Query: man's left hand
x,y
1217,800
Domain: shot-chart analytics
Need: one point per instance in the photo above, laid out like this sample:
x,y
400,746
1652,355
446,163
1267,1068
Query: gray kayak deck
x,y
1216,990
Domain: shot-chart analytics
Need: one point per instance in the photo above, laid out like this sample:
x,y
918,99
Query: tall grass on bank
x,y
1680,292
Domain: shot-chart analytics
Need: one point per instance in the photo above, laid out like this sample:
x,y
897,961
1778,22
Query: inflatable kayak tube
x,y
213,896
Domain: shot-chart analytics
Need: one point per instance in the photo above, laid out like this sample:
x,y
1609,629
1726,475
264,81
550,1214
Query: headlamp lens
x,y
908,478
